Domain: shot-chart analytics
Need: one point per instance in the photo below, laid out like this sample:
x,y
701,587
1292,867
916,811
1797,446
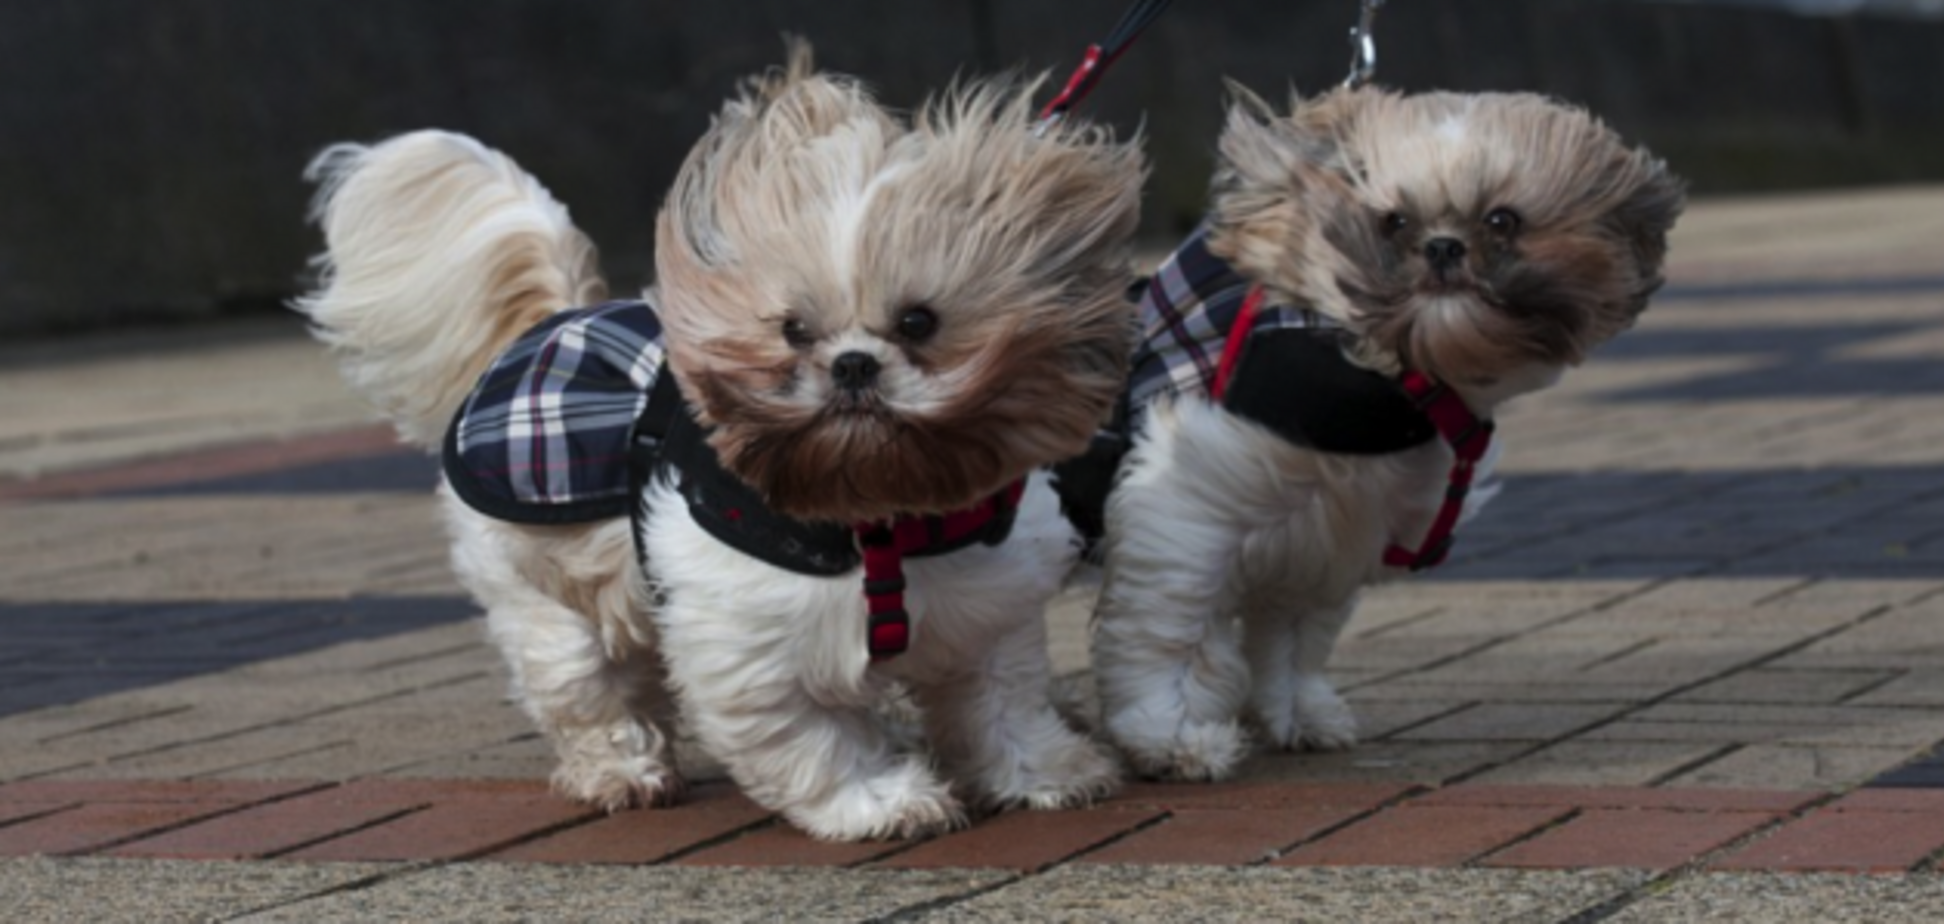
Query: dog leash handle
x,y
1094,64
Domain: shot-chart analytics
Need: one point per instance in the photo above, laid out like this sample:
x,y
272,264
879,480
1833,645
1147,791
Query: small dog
x,y
1402,265
870,326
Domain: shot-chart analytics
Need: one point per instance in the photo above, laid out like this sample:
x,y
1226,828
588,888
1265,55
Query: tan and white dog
x,y
1474,245
870,318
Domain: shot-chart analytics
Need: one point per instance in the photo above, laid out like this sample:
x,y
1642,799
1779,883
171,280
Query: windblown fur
x,y
439,251
806,201
1489,240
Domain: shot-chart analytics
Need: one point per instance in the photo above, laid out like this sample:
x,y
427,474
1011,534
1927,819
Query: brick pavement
x,y
1705,610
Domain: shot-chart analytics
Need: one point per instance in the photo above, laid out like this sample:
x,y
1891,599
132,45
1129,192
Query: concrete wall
x,y
150,151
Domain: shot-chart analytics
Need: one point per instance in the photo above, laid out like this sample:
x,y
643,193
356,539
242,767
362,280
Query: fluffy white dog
x,y
1379,272
874,331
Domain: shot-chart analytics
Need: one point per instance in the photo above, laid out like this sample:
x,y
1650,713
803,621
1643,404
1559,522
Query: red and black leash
x,y
1102,56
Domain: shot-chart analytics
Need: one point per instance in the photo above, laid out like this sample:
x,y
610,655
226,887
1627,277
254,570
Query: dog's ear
x,y
1275,175
1644,216
1258,148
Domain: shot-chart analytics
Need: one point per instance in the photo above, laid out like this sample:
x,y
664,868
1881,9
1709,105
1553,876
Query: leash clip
x,y
1363,46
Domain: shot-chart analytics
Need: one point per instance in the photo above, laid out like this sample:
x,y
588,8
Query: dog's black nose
x,y
1444,252
854,371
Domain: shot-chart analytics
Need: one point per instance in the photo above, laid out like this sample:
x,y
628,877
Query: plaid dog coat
x,y
569,422
1291,377
544,436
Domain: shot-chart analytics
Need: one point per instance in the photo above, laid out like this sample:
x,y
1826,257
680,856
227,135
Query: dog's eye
x,y
1394,222
1503,222
796,333
917,324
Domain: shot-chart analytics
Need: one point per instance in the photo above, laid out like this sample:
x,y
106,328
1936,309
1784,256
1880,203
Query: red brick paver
x,y
1553,827
1637,838
266,830
1221,837
1257,795
782,845
645,836
92,826
1023,841
1414,835
461,820
112,812
1858,842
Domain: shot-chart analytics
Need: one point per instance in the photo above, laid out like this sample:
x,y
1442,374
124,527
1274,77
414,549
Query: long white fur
x,y
768,667
1218,530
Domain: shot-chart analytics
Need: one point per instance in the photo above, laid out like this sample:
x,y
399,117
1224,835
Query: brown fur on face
x,y
808,204
1335,203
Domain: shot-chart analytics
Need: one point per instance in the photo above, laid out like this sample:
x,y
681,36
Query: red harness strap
x,y
1468,436
1238,334
884,548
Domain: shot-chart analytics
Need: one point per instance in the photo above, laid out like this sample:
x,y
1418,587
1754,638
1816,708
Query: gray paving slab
x,y
41,890
492,892
1818,898
1170,894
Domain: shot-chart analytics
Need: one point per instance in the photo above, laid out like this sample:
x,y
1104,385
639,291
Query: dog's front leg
x,y
994,725
1165,651
792,718
1293,701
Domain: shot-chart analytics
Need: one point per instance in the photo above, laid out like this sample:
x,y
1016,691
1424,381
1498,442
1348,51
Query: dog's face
x,y
1475,237
879,317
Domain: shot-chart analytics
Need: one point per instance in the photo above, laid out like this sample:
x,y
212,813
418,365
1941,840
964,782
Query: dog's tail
x,y
440,251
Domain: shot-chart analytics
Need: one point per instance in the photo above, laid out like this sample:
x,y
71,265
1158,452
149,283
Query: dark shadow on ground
x,y
1847,522
54,653
1850,521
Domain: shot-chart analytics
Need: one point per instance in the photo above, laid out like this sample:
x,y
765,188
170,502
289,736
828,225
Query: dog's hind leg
x,y
587,672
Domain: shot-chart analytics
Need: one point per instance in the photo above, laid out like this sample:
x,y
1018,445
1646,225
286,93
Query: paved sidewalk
x,y
1688,664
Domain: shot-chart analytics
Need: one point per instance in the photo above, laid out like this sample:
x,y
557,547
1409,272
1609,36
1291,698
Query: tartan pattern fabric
x,y
1186,313
544,436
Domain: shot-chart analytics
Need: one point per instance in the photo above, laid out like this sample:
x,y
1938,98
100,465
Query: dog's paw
x,y
908,802
618,783
615,767
1314,718
1196,752
1077,774
1326,721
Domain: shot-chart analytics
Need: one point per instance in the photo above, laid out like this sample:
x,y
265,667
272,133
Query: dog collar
x,y
669,442
1350,410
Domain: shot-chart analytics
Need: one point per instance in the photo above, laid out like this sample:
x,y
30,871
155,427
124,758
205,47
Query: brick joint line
x,y
1401,798
924,909
1666,878
354,829
1477,860
1650,702
220,812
